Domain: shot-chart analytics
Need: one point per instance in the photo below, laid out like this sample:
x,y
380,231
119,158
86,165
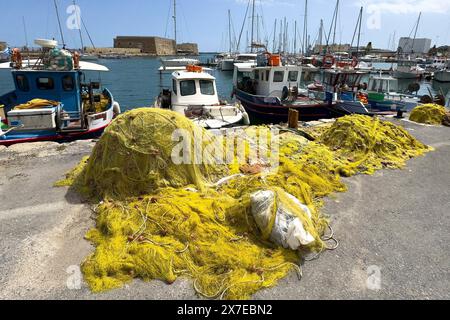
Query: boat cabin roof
x,y
29,64
383,78
185,75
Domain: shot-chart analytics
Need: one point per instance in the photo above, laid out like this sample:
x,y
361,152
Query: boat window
x,y
188,88
293,76
45,83
278,76
267,75
257,75
67,83
207,87
174,85
22,83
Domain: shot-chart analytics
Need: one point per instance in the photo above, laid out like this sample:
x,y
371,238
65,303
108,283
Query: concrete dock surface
x,y
393,229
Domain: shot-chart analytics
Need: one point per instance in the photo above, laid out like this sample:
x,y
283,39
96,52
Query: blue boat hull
x,y
271,110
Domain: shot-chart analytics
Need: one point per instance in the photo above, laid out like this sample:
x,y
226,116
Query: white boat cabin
x,y
383,84
193,89
266,81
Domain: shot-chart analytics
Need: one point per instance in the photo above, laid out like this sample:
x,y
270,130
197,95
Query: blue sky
x,y
205,21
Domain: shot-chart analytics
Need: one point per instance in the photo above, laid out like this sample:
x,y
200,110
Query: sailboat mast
x,y
415,32
253,25
229,30
359,30
274,36
335,22
305,29
59,23
79,28
175,22
295,37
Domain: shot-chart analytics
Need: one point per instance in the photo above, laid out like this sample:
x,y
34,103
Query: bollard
x,y
293,119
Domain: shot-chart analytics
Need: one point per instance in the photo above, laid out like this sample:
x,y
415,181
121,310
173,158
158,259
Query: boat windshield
x,y
207,87
188,88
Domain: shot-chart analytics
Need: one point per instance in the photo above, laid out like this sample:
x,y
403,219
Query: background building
x,y
420,45
149,45
188,49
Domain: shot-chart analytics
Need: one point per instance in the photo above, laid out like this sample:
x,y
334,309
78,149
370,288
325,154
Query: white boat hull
x,y
227,65
170,63
442,76
213,117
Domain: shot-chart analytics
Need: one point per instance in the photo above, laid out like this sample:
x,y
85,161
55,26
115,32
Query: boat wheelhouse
x,y
194,94
269,91
52,100
383,95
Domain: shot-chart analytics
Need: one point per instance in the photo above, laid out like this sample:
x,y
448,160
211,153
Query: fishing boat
x,y
408,70
443,75
382,93
194,94
227,64
246,58
52,101
269,90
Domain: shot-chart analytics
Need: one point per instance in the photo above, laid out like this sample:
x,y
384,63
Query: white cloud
x,y
408,6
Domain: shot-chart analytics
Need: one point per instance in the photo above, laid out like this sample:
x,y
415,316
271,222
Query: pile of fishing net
x,y
433,114
366,144
233,229
134,156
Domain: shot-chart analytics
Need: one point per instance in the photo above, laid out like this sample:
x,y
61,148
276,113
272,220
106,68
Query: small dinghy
x,y
194,94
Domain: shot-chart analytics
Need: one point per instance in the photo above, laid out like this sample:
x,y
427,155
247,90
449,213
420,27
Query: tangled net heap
x,y
133,157
433,114
163,221
366,144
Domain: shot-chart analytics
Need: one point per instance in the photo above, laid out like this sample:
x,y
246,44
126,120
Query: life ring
x,y
328,61
355,62
17,58
76,60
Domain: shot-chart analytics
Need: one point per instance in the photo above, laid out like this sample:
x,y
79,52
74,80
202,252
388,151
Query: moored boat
x,y
194,94
179,62
269,90
51,101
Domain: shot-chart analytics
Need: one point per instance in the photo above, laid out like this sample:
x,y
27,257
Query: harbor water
x,y
136,82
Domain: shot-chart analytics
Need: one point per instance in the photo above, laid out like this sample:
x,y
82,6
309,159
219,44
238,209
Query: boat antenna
x,y
243,26
79,27
59,23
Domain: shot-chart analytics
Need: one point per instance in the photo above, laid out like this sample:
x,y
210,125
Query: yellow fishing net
x,y
428,114
36,104
364,144
160,220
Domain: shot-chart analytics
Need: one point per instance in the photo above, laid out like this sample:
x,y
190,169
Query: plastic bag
x,y
278,222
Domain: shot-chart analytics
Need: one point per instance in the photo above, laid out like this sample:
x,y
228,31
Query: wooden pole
x,y
293,119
